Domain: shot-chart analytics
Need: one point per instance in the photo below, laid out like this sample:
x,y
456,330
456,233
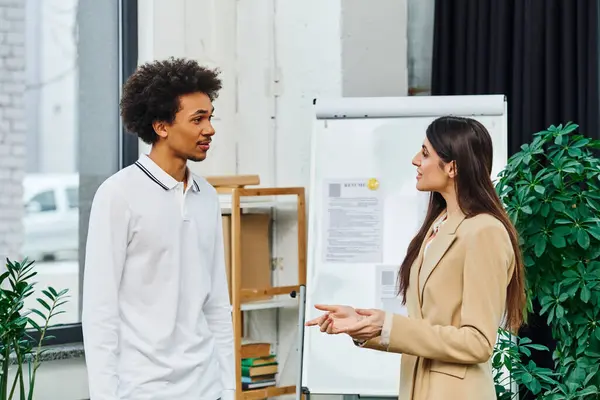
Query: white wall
x,y
276,56
374,48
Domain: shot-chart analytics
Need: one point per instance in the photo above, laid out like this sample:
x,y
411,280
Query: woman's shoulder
x,y
485,232
483,222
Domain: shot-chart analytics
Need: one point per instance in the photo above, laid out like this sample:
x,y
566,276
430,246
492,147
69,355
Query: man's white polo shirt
x,y
156,311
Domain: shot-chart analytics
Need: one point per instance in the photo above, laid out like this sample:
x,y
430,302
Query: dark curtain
x,y
542,54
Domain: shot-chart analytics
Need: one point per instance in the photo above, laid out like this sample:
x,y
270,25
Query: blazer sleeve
x,y
488,265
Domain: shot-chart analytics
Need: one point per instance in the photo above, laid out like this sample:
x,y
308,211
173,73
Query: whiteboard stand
x,y
301,321
350,396
358,397
361,170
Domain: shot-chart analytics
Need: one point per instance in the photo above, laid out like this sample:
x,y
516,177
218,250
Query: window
x,y
62,63
42,202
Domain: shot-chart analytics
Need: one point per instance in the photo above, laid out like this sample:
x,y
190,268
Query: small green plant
x,y
508,367
16,323
551,191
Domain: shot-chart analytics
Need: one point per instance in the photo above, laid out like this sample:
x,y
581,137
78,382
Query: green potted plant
x,y
17,347
508,367
551,191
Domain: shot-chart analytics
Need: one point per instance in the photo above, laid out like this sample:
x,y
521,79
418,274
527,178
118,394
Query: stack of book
x,y
259,366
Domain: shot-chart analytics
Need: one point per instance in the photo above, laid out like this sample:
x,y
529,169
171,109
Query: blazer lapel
x,y
438,247
414,299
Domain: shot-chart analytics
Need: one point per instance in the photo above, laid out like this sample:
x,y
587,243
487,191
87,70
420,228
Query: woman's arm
x,y
382,340
488,260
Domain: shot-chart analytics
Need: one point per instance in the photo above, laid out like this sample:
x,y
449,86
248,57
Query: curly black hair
x,y
152,93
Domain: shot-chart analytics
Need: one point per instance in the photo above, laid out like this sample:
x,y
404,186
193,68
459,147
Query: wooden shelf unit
x,y
246,299
264,393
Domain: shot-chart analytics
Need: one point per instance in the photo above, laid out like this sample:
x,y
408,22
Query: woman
x,y
461,279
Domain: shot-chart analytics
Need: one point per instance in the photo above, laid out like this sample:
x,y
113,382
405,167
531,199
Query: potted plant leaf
x,y
17,346
508,367
551,191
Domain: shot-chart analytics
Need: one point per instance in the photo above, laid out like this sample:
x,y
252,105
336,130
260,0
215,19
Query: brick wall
x,y
12,125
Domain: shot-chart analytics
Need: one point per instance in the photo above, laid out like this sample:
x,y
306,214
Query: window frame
x,y
70,334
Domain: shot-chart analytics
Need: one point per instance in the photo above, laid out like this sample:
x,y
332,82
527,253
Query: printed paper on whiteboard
x,y
353,222
387,288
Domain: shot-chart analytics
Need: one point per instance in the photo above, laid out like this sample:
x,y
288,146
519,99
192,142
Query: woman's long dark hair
x,y
468,143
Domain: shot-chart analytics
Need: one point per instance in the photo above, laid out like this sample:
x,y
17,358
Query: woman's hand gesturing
x,y
336,320
369,326
360,324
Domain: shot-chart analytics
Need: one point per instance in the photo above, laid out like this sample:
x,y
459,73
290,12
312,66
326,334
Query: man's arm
x,y
104,260
218,313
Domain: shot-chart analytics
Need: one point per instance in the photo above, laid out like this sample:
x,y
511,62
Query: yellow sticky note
x,y
373,184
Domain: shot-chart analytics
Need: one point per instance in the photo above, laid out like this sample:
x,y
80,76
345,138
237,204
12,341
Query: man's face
x,y
191,132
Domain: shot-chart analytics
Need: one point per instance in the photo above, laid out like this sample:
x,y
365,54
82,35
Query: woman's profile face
x,y
432,174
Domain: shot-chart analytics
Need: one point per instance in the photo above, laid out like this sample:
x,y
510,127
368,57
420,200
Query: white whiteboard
x,y
357,139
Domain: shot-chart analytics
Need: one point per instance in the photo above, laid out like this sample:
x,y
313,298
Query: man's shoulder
x,y
117,183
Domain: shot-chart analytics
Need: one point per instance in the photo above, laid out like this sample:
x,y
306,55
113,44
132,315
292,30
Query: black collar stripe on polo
x,y
196,186
149,174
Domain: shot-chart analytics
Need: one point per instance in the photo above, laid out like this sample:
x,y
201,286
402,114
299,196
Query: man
x,y
156,311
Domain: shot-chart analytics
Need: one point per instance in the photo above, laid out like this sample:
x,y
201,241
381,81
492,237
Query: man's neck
x,y
174,166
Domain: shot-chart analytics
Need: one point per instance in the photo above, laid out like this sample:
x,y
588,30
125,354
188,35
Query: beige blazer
x,y
456,302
